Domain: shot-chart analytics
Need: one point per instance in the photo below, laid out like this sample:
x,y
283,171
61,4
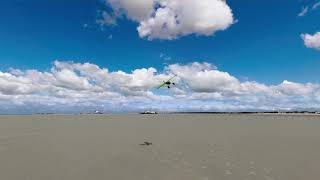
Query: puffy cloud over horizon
x,y
171,19
75,87
312,41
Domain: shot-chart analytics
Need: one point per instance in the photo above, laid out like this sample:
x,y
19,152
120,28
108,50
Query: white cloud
x,y
202,77
136,10
311,41
316,5
106,19
75,87
171,19
304,11
296,89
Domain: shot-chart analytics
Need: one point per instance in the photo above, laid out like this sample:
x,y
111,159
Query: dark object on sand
x,y
146,144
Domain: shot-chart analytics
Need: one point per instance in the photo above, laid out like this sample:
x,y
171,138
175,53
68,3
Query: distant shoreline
x,y
159,113
294,112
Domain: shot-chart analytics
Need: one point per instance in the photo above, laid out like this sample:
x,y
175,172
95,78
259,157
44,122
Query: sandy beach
x,y
185,147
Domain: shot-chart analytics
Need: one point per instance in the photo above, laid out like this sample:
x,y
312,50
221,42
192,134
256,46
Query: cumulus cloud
x,y
77,87
311,41
136,10
170,19
205,78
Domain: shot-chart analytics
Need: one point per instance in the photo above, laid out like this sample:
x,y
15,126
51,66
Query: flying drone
x,y
167,83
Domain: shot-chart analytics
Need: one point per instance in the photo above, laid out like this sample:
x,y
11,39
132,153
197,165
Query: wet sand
x,y
185,147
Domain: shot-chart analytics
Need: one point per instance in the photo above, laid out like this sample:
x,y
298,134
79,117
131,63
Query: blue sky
x,y
264,45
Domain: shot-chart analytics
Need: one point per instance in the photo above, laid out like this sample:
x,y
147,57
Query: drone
x,y
167,83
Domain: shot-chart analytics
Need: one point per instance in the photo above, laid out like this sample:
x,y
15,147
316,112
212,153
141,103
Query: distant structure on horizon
x,y
97,112
149,112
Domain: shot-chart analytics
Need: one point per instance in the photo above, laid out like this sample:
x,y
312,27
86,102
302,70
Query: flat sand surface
x,y
185,147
